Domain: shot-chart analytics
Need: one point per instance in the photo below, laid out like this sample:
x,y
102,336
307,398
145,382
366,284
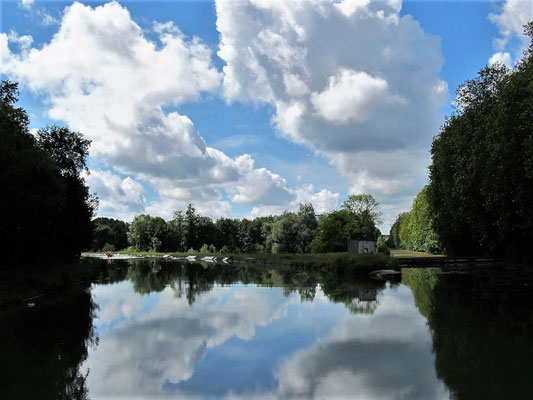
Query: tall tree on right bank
x,y
481,177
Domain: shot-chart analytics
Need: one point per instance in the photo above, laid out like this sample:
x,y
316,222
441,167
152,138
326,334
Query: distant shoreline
x,y
324,260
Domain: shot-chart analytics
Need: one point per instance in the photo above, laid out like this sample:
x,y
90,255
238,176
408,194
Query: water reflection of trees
x,y
43,347
482,330
357,292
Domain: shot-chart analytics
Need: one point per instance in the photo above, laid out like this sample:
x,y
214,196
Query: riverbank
x,y
323,260
24,285
401,253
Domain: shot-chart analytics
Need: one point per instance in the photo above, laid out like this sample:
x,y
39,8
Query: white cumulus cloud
x,y
501,57
347,79
510,20
27,3
121,198
102,76
350,95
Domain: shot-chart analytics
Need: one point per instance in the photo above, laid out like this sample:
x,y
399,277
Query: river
x,y
156,329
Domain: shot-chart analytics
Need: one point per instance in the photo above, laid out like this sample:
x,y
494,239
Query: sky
x,y
248,108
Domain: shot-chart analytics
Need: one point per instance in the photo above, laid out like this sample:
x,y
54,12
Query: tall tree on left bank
x,y
45,206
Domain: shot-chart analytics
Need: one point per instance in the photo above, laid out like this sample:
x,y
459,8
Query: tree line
x,y
413,229
302,231
480,191
45,206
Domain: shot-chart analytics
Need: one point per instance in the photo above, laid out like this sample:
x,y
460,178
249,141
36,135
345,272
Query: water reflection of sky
x,y
249,341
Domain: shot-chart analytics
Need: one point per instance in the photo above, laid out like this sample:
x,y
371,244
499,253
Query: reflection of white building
x,y
361,246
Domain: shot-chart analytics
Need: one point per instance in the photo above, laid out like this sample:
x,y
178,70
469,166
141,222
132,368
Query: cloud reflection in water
x,y
248,341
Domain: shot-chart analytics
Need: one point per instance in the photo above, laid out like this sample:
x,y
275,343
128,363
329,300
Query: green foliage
x,y
191,222
357,220
45,204
208,248
364,208
68,149
413,230
284,234
176,230
403,231
139,235
109,231
481,187
156,244
381,246
148,233
227,234
307,226
396,228
336,228
292,232
225,250
422,236
108,247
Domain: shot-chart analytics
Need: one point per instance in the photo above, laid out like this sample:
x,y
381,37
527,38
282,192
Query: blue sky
x,y
247,109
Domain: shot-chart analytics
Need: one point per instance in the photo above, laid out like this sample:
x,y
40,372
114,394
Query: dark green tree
x,y
227,235
422,236
364,208
109,231
308,225
394,236
139,235
68,149
191,222
45,205
285,234
334,230
177,232
205,230
481,177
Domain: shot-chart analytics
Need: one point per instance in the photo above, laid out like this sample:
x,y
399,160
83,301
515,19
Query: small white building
x,y
361,246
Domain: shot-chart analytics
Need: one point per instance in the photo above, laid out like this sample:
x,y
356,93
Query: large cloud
x,y
104,77
354,80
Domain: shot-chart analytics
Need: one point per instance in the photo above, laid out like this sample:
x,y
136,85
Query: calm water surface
x,y
158,329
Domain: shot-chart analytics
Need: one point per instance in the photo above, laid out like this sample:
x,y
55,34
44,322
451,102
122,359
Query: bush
x,y
108,247
211,249
225,250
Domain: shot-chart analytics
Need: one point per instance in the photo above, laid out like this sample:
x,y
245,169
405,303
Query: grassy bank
x,y
399,253
360,261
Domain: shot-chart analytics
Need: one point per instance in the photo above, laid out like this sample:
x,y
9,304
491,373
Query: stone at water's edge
x,y
385,273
